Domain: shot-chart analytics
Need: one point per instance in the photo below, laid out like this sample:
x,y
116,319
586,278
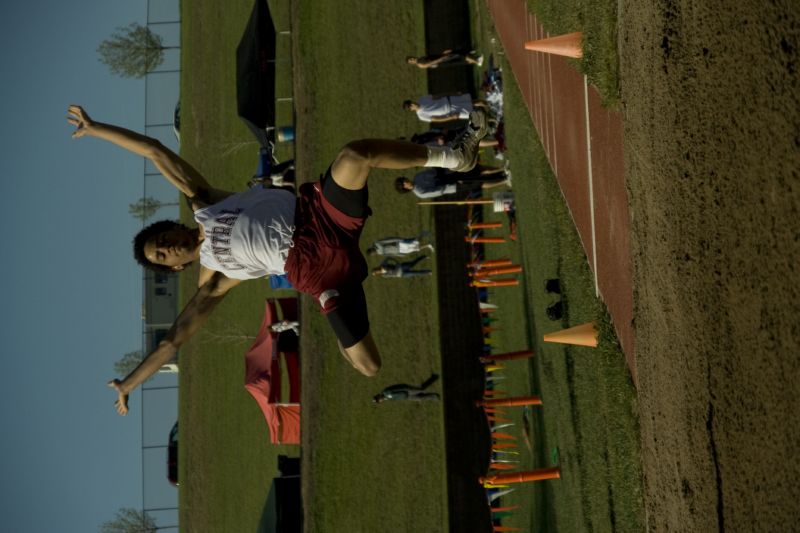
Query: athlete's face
x,y
173,248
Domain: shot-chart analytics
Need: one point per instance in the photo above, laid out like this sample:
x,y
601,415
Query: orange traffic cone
x,y
563,45
583,335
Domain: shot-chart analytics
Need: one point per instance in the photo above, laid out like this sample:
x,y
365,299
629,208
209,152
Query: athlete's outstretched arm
x,y
188,322
180,173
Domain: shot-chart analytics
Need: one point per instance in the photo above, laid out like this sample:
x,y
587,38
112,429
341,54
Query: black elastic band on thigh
x,y
349,321
351,203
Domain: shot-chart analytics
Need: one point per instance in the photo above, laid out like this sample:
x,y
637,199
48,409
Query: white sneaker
x,y
466,146
507,181
286,325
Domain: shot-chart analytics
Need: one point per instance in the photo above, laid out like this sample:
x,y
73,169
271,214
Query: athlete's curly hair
x,y
143,236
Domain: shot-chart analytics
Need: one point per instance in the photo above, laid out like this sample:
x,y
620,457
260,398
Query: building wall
x,y
160,306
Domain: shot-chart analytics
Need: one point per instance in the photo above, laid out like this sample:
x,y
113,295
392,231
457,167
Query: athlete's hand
x,y
78,118
122,398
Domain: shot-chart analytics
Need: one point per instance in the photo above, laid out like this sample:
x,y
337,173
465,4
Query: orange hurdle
x,y
485,225
510,402
484,240
504,509
490,263
522,477
497,271
510,356
501,466
505,282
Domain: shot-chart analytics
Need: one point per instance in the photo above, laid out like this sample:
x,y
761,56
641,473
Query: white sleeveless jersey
x,y
248,235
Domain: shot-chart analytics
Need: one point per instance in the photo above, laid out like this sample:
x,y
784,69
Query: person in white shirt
x,y
433,183
436,109
398,246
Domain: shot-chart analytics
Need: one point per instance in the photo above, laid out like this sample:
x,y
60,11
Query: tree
x,y
146,207
131,360
130,520
132,51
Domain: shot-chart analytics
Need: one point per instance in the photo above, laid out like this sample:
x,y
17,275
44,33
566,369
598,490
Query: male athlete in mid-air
x,y
312,237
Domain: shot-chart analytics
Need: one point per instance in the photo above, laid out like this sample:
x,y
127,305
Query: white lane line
x,y
554,154
591,185
530,59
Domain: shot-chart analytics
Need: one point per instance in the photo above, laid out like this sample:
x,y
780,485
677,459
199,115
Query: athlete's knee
x,y
356,152
364,357
367,363
369,368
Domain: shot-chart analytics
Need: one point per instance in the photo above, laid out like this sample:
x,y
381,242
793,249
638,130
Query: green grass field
x,y
227,463
366,467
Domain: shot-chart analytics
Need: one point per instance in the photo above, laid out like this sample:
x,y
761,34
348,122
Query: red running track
x,y
583,142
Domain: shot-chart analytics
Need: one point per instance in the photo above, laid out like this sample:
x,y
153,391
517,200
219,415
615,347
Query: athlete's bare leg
x,y
363,355
350,170
352,165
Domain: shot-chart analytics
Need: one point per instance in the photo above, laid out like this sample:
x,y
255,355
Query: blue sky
x,y
72,293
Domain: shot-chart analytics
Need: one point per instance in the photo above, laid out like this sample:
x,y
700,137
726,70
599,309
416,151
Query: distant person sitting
x,y
402,391
431,108
270,174
447,58
431,183
397,246
392,268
